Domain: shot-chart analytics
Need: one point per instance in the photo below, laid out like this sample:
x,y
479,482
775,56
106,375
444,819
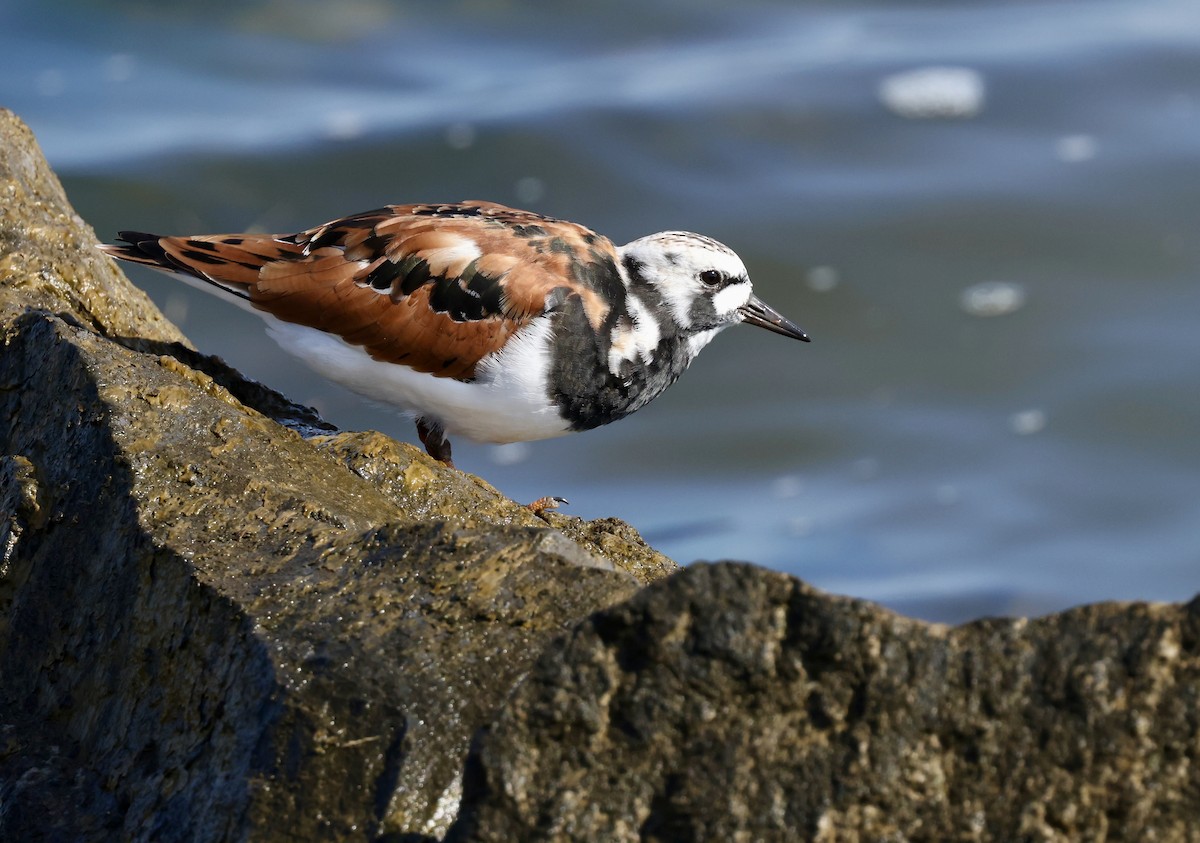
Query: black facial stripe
x,y
702,313
634,269
647,292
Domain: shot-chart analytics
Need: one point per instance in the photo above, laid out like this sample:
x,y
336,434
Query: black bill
x,y
757,312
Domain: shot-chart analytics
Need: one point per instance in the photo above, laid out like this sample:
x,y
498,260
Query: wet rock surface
x,y
222,619
732,703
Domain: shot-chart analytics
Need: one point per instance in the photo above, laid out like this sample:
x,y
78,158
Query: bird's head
x,y
699,285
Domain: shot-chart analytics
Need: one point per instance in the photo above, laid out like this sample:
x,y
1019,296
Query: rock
x,y
211,627
730,703
424,490
222,619
48,258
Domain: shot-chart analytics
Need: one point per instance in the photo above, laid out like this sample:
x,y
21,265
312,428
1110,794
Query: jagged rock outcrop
x,y
221,619
731,703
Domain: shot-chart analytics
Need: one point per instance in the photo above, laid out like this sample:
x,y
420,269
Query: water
x,y
999,410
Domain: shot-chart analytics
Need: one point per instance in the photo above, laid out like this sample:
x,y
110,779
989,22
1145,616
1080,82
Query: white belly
x,y
507,402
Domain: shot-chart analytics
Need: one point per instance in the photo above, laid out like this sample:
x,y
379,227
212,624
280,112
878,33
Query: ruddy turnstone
x,y
479,320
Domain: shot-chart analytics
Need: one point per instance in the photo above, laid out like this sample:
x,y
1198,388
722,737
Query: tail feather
x,y
140,247
229,262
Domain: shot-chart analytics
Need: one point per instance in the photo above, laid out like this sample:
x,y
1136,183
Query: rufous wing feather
x,y
435,287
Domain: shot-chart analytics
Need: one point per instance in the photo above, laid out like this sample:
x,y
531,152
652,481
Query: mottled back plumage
x,y
434,287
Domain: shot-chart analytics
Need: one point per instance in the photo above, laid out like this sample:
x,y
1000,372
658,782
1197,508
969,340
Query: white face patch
x,y
728,300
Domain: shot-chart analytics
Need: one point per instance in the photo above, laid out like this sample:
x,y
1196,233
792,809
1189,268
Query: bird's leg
x,y
433,437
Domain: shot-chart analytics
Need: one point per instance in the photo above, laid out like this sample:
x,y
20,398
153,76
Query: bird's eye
x,y
711,277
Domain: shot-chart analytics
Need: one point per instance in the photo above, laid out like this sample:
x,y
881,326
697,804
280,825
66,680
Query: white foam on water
x,y
992,298
934,92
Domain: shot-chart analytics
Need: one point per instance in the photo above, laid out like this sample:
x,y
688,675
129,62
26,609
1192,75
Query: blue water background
x,y
946,463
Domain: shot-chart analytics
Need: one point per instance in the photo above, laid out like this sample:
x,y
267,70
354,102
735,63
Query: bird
x,y
476,319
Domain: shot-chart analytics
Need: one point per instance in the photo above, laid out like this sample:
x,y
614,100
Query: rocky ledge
x,y
199,642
